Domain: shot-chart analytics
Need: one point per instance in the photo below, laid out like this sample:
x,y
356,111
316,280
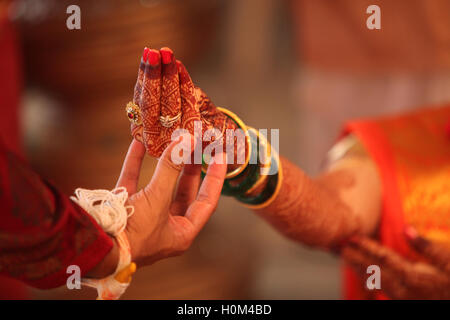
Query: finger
x,y
140,78
402,278
135,129
186,83
438,253
129,176
391,284
150,103
164,180
357,259
170,93
208,196
187,189
188,100
380,255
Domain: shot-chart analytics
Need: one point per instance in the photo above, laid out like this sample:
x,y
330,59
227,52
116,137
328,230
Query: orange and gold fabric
x,y
412,154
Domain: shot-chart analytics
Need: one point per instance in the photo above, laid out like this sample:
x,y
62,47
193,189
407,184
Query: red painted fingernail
x,y
418,242
411,233
166,55
145,54
153,57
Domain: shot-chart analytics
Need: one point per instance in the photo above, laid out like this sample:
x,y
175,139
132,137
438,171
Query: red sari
x,y
41,230
412,153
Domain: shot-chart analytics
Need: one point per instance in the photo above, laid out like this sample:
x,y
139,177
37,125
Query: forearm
x,y
107,265
311,211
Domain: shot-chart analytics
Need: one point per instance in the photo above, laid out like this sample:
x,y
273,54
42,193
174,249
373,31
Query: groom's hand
x,y
174,206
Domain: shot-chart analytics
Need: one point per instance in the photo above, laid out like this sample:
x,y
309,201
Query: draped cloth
x,y
412,154
41,230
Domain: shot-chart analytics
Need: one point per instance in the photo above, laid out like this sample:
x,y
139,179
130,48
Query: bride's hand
x,y
167,100
172,209
402,278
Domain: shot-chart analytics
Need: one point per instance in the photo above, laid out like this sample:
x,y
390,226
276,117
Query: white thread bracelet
x,y
110,212
106,207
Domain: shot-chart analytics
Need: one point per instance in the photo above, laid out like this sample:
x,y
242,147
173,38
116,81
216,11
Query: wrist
x,y
147,249
134,247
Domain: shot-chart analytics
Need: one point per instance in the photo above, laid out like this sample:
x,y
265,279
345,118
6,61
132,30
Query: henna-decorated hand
x,y
169,100
401,278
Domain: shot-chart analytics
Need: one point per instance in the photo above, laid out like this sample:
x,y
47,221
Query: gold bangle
x,y
242,126
263,176
275,193
257,184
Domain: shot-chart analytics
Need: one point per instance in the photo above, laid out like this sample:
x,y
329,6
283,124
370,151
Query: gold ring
x,y
134,113
167,121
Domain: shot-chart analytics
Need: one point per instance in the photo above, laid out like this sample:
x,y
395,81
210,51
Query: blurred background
x,y
301,66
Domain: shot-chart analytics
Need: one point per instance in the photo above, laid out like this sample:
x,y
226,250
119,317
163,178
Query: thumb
x,y
170,164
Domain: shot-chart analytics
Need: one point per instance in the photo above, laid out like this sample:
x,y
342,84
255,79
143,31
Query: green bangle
x,y
268,190
252,175
264,195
